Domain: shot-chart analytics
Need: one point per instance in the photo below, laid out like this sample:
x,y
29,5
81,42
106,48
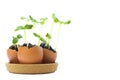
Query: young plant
x,y
48,38
28,19
16,39
24,28
58,34
56,20
33,20
40,38
42,22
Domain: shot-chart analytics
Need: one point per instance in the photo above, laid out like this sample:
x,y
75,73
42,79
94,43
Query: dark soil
x,y
43,45
13,47
29,45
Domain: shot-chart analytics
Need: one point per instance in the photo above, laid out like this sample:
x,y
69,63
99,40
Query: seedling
x,y
32,19
24,28
48,38
42,22
16,39
40,38
56,20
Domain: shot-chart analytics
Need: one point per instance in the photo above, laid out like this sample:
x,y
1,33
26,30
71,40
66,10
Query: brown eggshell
x,y
30,55
12,56
49,56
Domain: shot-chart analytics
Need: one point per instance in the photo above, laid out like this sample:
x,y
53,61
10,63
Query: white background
x,y
89,48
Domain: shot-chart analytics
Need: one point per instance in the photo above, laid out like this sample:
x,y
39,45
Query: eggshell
x,y
30,55
49,56
12,56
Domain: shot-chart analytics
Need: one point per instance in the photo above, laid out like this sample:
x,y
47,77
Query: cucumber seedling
x,y
40,38
58,34
15,40
42,22
60,22
48,38
55,20
24,28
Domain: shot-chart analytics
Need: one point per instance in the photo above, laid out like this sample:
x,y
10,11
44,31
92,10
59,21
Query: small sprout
x,y
40,38
55,19
58,34
15,39
67,22
19,36
23,18
42,21
24,28
32,19
48,36
19,28
28,26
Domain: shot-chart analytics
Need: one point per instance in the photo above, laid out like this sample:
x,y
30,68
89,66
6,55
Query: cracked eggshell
x,y
31,55
12,56
49,56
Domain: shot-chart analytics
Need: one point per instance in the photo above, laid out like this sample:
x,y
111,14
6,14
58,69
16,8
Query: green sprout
x,y
58,34
42,22
40,38
48,37
24,28
16,39
32,19
56,20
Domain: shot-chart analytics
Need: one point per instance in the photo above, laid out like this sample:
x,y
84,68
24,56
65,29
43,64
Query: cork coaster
x,y
31,68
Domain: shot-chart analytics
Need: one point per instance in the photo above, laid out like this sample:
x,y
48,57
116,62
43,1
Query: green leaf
x,y
28,26
19,28
15,40
36,35
39,37
55,19
44,18
42,21
23,18
48,36
67,22
19,36
61,22
32,19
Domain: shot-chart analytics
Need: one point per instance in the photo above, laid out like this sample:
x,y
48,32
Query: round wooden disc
x,y
31,68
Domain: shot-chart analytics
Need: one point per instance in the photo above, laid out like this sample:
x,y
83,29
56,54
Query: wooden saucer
x,y
31,68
